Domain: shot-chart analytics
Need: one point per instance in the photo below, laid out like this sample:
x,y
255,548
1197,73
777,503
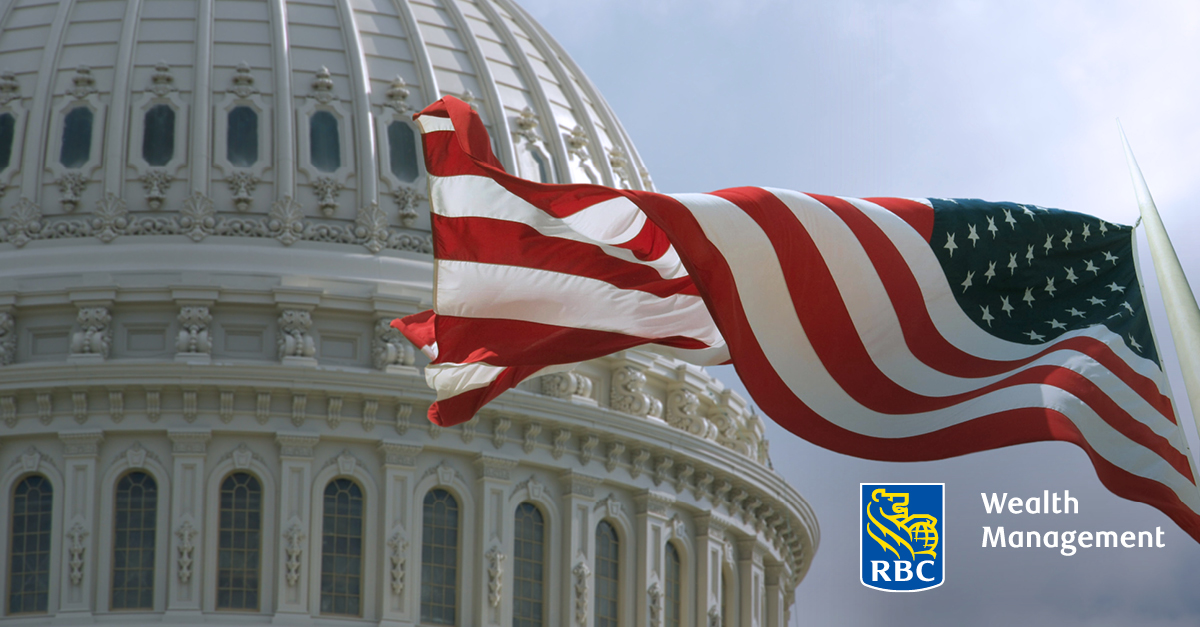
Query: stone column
x,y
493,601
400,584
295,487
710,546
776,607
187,520
650,528
751,577
579,547
79,520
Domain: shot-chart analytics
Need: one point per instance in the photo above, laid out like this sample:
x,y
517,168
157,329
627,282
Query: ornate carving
x,y
395,454
611,506
189,405
466,431
297,446
262,407
390,348
135,456
723,488
531,434
403,411
243,81
225,408
398,547
95,334
193,330
588,448
82,83
326,189
434,429
333,411
397,94
294,339
577,143
499,428
527,124
638,463
702,484
370,227
10,89
286,220
71,186
8,338
186,534
25,224
683,412
619,164
407,197
299,412
197,218
45,407
30,459
627,395
370,409
161,81
242,456
294,536
153,405
714,617
495,569
582,575
111,218
662,469
76,548
322,86
189,442
614,456
684,478
241,185
79,403
566,385
8,409
560,443
533,486
81,444
156,183
654,598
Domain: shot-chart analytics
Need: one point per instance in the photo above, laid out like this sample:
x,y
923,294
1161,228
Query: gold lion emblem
x,y
895,530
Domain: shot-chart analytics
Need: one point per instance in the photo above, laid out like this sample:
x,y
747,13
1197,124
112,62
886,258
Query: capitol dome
x,y
209,213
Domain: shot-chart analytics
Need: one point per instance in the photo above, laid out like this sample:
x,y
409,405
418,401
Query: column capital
x,y
81,443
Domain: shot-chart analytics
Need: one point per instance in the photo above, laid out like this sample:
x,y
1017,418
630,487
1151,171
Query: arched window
x,y
158,135
342,549
76,138
324,147
239,542
402,151
241,137
29,546
674,591
608,563
439,558
135,511
543,168
8,130
529,567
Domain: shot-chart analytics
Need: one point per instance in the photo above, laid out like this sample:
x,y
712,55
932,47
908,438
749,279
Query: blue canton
x,y
1030,274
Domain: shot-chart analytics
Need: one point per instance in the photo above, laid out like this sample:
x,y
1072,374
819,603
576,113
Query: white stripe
x,y
433,123
604,224
450,380
771,318
478,290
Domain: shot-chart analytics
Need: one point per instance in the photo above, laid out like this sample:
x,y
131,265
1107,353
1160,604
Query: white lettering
x,y
879,569
1014,505
1127,539
995,505
997,539
1103,536
1016,540
1067,501
1033,505
903,570
921,571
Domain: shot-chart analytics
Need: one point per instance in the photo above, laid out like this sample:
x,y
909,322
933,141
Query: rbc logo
x,y
900,536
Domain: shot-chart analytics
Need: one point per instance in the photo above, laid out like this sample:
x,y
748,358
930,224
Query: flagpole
x,y
1183,315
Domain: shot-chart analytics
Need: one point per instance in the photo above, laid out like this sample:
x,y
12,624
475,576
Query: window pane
x,y
341,549
674,585
529,566
136,511
325,150
402,146
158,135
7,132
608,564
238,542
29,547
543,169
439,558
241,137
76,138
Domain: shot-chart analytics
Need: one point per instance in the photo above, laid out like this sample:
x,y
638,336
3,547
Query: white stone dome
x,y
210,210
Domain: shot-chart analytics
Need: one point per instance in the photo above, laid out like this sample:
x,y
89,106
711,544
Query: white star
x,y
987,317
1035,336
1028,297
1103,227
1113,287
1055,324
1127,306
1028,212
1087,231
967,283
1071,275
1029,255
1005,307
1012,263
991,271
1075,312
1110,257
1091,267
1050,286
972,235
1134,343
992,226
1012,222
1067,240
1096,301
950,245
1048,245
1119,313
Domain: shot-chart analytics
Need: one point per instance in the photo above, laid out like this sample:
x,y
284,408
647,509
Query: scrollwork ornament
x,y
193,330
495,560
76,548
70,187
390,348
286,221
326,189
8,338
186,534
111,218
582,575
397,546
294,339
241,185
294,549
407,197
156,183
370,227
197,218
25,224
95,333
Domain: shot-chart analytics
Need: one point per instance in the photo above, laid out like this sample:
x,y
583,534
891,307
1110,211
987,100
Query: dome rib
x,y
367,172
39,112
201,173
118,119
285,141
416,43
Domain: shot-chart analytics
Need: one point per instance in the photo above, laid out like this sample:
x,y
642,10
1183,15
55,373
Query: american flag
x,y
883,328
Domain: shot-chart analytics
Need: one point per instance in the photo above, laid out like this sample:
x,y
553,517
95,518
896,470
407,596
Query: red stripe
x,y
502,242
918,215
502,342
462,407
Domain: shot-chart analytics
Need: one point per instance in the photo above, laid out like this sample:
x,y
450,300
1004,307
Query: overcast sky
x,y
1004,100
